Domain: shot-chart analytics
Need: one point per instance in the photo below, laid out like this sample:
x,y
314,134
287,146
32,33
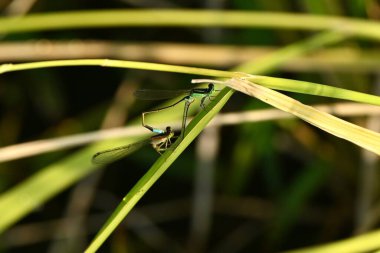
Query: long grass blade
x,y
271,82
368,242
360,136
191,18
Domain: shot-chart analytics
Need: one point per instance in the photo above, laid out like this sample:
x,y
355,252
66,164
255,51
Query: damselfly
x,y
189,97
159,142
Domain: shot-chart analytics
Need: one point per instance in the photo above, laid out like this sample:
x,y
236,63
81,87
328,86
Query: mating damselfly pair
x,y
163,138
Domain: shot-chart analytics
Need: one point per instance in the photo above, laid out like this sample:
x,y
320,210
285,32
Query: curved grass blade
x,y
271,82
368,242
189,18
358,135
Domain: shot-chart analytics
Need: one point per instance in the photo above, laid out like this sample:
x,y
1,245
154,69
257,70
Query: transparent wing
x,y
114,154
146,94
